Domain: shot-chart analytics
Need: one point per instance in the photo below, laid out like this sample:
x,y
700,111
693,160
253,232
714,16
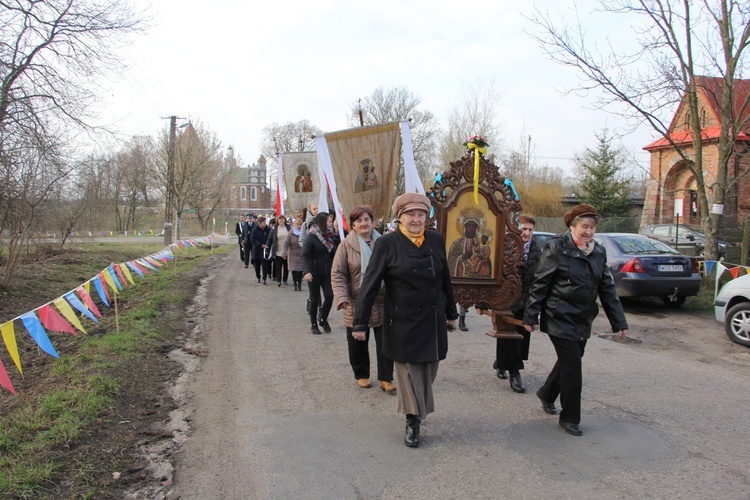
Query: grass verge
x,y
76,420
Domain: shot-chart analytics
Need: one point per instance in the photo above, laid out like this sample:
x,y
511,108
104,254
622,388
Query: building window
x,y
243,193
253,193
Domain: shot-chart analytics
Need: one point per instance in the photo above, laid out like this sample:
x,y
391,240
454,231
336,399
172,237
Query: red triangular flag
x,y
5,379
86,298
121,275
51,320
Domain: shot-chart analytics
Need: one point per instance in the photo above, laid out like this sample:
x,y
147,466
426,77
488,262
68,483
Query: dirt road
x,y
274,412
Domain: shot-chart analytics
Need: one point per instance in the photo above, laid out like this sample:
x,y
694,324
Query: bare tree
x,y
52,56
477,114
396,104
134,179
199,180
678,42
292,136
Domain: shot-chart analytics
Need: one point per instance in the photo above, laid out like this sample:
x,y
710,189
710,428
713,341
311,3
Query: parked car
x,y
645,267
542,238
732,307
686,238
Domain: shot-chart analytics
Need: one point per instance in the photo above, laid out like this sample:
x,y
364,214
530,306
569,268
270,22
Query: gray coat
x,y
418,297
293,252
566,285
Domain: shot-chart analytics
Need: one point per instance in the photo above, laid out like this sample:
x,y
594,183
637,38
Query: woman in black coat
x,y
418,306
258,239
318,249
572,273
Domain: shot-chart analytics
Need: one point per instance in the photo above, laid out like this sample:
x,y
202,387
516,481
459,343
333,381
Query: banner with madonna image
x,y
365,163
301,180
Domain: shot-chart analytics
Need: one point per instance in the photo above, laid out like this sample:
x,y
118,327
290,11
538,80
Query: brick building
x,y
672,186
249,190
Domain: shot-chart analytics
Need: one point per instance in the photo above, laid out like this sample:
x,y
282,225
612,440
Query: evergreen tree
x,y
601,181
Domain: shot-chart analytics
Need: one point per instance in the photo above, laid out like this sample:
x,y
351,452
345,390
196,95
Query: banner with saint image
x,y
300,170
365,163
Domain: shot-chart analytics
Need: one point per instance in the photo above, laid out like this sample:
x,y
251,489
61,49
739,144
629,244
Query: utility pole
x,y
169,208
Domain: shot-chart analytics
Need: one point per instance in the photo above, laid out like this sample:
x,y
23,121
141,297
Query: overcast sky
x,y
238,66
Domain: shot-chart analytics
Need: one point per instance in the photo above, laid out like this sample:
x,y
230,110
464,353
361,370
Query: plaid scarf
x,y
326,239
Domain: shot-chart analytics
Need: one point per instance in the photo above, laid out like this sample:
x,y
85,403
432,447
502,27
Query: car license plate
x,y
666,268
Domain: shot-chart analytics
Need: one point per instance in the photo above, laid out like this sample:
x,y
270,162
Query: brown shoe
x,y
364,383
387,386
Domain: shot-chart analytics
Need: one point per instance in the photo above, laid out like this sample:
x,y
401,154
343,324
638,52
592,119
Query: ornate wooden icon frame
x,y
495,295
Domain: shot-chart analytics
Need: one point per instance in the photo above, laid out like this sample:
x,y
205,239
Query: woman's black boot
x,y
411,437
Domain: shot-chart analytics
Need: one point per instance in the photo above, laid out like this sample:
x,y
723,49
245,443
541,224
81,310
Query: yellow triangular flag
x,y
87,287
67,311
126,272
9,337
110,281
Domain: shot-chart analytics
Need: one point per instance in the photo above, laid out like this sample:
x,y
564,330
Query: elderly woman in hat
x,y
419,307
572,273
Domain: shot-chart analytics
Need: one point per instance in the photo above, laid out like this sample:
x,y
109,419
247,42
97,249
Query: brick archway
x,y
680,183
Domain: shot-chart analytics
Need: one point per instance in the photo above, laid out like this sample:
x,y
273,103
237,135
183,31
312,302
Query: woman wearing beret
x,y
572,273
349,266
418,306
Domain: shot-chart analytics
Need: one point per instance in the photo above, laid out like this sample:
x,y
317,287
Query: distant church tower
x,y
249,191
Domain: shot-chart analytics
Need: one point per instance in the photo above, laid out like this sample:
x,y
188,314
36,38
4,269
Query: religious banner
x,y
365,163
300,172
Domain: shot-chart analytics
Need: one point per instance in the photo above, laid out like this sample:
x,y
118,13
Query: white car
x,y
732,307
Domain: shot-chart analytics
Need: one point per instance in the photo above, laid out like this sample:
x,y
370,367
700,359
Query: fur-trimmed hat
x,y
583,210
410,201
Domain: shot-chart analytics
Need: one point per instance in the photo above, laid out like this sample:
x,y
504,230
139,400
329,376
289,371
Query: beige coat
x,y
345,281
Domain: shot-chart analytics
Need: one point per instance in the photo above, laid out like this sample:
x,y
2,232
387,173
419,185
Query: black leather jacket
x,y
566,285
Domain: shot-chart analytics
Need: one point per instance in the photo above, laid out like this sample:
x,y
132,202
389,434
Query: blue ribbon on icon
x,y
509,183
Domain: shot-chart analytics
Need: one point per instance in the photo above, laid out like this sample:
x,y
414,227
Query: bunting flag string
x,y
65,317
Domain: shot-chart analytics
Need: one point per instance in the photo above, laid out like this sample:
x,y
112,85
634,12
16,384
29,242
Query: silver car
x,y
732,307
